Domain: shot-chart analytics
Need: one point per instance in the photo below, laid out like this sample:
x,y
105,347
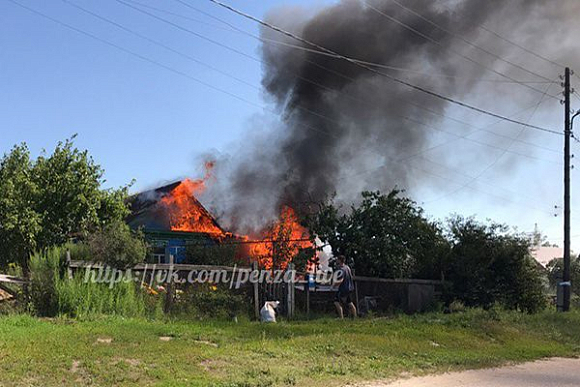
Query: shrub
x,y
79,251
386,235
489,265
456,307
210,301
45,269
556,271
117,245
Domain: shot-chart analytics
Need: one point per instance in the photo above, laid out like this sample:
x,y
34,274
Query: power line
x,y
496,159
483,27
335,90
189,57
397,80
451,180
128,51
164,66
413,155
154,62
328,88
395,20
457,36
459,137
233,28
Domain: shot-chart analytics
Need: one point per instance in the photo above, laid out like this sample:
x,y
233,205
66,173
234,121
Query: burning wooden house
x,y
172,219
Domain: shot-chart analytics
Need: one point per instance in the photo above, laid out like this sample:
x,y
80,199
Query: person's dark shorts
x,y
344,298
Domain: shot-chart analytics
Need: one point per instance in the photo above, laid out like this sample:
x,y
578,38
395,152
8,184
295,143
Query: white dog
x,y
268,312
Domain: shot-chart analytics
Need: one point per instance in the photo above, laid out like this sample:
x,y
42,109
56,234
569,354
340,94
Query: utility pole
x,y
567,129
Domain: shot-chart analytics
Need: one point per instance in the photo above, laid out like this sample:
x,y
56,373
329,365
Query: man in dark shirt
x,y
344,296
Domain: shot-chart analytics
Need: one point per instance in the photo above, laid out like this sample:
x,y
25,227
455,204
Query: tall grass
x,y
45,269
54,293
77,298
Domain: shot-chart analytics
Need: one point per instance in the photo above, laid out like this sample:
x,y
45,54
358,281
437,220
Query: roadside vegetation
x,y
324,352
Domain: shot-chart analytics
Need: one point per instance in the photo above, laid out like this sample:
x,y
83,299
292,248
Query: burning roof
x,y
173,208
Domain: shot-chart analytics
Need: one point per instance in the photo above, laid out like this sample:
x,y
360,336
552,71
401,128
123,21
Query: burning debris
x,y
279,243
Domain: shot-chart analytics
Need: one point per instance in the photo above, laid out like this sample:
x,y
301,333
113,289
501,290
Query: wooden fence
x,y
261,291
371,294
409,295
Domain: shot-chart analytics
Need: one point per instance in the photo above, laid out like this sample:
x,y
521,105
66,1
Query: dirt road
x,y
545,373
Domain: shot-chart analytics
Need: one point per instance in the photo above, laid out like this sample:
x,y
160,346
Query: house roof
x,y
544,254
149,212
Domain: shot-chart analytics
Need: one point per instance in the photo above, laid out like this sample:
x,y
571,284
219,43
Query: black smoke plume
x,y
344,128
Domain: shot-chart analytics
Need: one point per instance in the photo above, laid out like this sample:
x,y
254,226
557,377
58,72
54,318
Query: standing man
x,y
344,295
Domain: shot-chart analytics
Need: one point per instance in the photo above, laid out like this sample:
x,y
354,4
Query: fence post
x,y
290,291
169,286
307,290
356,295
68,268
256,291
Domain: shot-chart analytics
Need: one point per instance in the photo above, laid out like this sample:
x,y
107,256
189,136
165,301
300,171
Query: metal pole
x,y
566,277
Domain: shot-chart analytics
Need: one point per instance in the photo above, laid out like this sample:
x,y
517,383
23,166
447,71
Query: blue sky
x,y
143,122
138,120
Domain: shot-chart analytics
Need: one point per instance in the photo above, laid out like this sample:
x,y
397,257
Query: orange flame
x,y
184,210
281,242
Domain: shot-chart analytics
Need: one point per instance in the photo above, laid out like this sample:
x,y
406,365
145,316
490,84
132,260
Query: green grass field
x,y
115,351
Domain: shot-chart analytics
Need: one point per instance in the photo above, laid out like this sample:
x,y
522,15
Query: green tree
x,y
47,201
20,223
386,236
490,265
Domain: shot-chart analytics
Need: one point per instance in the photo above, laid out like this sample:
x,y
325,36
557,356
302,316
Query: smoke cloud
x,y
344,129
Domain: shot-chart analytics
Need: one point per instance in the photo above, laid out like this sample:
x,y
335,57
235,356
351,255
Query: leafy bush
x,y
44,201
79,251
210,301
456,307
489,265
117,245
556,272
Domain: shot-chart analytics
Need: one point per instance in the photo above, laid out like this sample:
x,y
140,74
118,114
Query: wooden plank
x,y
307,289
12,280
68,268
398,280
162,266
6,289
